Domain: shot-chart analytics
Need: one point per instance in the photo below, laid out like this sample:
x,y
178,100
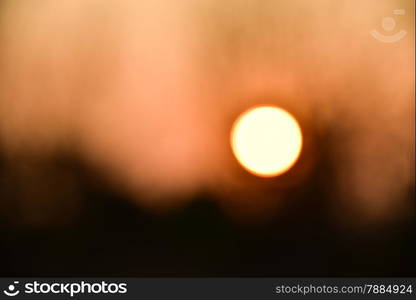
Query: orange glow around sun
x,y
266,140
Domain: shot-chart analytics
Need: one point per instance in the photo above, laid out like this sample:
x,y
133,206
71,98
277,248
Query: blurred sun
x,y
266,140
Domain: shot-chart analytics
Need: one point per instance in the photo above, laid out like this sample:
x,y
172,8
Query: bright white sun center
x,y
266,140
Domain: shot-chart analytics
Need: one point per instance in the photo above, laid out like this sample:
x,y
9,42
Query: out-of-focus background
x,y
115,119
